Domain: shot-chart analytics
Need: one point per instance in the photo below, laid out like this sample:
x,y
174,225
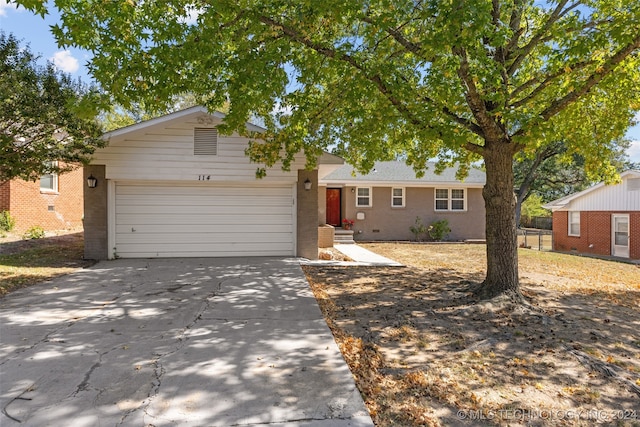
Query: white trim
x,y
624,251
564,201
111,218
396,184
173,116
54,181
393,197
370,197
569,223
294,216
450,199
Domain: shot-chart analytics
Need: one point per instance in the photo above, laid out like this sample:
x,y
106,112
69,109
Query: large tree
x,y
47,120
553,172
461,80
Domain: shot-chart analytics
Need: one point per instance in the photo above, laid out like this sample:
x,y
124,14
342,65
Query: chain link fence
x,y
532,238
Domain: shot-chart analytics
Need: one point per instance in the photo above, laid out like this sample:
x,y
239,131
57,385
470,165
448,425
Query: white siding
x,y
165,152
608,198
202,220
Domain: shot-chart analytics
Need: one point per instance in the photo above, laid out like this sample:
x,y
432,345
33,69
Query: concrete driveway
x,y
173,342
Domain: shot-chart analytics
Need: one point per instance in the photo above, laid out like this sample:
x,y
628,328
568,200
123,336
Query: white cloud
x,y
64,61
192,15
634,151
4,7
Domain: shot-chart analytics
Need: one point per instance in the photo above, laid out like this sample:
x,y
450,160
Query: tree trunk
x,y
502,247
520,197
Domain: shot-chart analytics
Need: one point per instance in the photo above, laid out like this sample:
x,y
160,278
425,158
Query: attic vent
x,y
205,141
633,184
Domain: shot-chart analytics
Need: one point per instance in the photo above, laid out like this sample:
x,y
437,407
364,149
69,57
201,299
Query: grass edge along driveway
x,y
423,352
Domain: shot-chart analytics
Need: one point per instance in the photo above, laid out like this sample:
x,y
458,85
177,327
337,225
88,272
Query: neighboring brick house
x,y
601,220
53,203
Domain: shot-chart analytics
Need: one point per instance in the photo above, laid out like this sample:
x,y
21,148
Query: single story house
x,y
53,203
173,187
601,220
385,202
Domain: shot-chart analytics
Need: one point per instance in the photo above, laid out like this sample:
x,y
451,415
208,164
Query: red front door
x,y
334,205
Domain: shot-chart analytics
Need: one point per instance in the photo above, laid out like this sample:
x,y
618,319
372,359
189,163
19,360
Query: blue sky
x,y
34,30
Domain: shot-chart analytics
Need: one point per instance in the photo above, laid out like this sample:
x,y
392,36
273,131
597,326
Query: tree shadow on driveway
x,y
211,342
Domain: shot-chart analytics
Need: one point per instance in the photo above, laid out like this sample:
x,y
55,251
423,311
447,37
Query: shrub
x,y
418,228
35,232
438,230
7,222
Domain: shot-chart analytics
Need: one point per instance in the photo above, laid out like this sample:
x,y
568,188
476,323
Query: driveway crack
x,y
159,369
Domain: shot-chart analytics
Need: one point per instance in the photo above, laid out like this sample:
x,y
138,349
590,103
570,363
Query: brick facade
x,y
50,210
307,213
95,207
595,233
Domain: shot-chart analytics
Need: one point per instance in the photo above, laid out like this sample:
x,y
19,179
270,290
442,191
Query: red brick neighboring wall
x,y
595,233
5,199
30,206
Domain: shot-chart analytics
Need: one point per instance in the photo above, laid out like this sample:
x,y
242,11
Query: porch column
x,y
95,214
307,215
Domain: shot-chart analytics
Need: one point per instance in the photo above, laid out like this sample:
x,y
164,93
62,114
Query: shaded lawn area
x,y
27,262
424,352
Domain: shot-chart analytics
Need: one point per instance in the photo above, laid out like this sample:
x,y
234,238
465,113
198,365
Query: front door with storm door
x,y
334,206
620,235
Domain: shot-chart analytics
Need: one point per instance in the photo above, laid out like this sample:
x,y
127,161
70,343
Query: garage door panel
x,y
197,238
257,200
166,220
200,190
255,210
188,228
201,250
171,220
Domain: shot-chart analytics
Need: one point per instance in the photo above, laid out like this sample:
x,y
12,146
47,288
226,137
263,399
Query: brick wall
x,y
5,200
52,211
326,234
595,233
307,214
96,214
634,235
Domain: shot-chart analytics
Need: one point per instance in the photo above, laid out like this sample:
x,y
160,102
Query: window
x,y
363,197
205,141
442,199
450,199
574,223
49,182
397,197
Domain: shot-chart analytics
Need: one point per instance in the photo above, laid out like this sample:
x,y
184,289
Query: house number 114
x,y
204,177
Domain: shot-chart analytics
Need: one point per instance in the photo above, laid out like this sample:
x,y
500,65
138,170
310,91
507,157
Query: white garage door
x,y
202,221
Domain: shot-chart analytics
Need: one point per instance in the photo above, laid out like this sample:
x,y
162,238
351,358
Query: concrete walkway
x,y
359,255
180,342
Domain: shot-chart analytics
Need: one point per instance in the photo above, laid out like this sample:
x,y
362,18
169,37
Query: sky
x,y
35,31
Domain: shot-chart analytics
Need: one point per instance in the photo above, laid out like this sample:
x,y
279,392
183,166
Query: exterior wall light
x,y
307,184
92,181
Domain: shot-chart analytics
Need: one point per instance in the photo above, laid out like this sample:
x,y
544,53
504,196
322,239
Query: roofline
x,y
564,201
450,184
172,116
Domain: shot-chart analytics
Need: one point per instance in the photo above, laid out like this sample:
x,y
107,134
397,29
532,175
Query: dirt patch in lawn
x,y
424,352
28,262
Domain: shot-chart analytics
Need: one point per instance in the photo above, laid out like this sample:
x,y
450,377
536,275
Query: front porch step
x,y
342,236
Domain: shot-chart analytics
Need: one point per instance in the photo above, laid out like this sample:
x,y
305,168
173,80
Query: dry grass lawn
x,y
424,352
27,262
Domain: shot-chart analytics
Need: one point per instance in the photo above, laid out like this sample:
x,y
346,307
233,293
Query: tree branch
x,y
476,104
535,40
376,79
543,84
595,78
